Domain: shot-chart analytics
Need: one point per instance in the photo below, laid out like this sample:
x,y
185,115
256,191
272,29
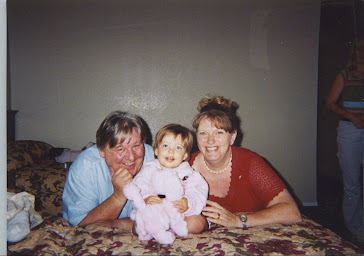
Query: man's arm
x,y
107,213
109,210
82,202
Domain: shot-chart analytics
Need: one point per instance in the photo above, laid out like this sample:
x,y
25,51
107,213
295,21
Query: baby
x,y
169,186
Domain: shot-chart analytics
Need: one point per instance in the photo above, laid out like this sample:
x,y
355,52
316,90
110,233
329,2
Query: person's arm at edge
x,y
334,94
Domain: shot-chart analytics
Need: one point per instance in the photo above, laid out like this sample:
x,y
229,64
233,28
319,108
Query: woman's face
x,y
214,143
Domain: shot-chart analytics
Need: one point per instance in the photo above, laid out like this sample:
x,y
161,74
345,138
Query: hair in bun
x,y
218,103
220,111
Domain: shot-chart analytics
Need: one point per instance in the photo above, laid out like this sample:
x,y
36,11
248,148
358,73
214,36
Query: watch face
x,y
243,218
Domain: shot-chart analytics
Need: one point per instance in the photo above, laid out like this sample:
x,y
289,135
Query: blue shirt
x,y
88,184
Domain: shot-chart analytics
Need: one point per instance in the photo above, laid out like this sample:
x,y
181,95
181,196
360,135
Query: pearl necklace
x,y
221,171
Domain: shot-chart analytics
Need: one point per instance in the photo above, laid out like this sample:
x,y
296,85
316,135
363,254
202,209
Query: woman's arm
x,y
281,209
334,94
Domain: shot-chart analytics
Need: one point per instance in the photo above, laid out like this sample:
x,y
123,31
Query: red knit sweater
x,y
253,182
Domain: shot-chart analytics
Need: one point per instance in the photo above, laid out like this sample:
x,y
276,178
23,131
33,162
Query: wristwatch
x,y
243,219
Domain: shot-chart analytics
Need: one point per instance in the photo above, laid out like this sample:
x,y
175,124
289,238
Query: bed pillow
x,y
26,152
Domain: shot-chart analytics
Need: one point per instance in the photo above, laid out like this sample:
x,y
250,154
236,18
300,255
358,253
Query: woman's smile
x,y
214,143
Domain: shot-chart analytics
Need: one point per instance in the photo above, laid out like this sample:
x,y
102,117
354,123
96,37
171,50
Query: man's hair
x,y
176,130
116,127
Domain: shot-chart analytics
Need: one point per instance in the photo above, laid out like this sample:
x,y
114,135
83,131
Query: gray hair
x,y
116,127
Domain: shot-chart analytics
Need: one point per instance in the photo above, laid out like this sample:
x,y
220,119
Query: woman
x,y
243,190
349,88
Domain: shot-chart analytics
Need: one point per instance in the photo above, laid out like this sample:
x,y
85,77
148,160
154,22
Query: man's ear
x,y
102,153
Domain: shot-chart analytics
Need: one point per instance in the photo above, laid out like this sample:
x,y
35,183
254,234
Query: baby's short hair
x,y
175,129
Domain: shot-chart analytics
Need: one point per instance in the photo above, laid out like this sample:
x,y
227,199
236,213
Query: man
x,y
93,192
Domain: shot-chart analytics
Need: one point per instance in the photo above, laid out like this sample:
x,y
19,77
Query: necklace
x,y
221,171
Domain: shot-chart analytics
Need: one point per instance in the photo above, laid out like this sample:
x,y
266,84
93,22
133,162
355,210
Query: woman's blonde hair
x,y
220,111
176,130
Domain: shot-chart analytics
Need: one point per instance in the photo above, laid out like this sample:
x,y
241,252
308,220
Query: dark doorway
x,y
341,24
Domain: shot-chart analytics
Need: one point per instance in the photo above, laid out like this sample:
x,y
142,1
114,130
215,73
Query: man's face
x,y
126,155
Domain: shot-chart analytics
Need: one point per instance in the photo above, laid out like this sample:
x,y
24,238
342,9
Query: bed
x,y
32,168
56,236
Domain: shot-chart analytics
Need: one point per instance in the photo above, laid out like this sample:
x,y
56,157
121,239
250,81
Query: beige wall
x,y
71,64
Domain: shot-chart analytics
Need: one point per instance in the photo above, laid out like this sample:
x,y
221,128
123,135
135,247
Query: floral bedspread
x,y
56,236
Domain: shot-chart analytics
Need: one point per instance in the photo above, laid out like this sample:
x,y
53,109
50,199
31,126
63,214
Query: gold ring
x,y
218,215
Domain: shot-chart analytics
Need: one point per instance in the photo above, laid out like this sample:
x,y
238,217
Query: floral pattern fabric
x,y
31,167
56,236
26,152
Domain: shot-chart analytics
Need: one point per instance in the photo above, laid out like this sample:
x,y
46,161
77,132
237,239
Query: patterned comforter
x,y
31,167
56,236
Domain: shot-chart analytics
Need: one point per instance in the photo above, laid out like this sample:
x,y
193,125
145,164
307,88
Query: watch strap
x,y
243,219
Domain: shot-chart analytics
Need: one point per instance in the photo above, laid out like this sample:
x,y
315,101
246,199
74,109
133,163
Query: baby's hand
x,y
181,205
153,200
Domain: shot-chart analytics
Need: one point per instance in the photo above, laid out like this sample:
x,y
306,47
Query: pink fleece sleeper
x,y
156,220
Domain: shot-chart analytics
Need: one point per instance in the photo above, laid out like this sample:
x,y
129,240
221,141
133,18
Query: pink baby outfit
x,y
195,186
160,220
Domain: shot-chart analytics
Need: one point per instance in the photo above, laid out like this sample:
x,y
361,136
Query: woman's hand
x,y
181,205
219,215
153,200
358,122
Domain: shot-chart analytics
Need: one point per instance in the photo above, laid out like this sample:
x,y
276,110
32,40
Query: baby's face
x,y
171,151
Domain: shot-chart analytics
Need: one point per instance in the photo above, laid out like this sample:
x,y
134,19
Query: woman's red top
x,y
253,182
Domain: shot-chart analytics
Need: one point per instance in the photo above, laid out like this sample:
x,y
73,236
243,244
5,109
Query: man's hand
x,y
119,180
181,205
